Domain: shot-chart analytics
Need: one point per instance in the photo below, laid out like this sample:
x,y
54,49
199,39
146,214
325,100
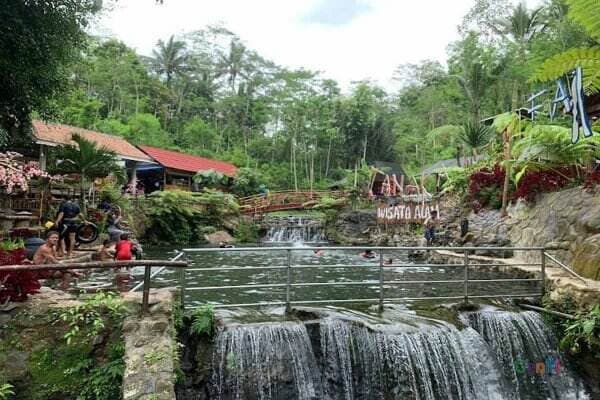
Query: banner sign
x,y
406,212
572,99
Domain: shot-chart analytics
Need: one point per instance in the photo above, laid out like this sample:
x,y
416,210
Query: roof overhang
x,y
119,156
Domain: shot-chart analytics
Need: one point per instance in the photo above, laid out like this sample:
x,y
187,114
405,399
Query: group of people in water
x,y
61,240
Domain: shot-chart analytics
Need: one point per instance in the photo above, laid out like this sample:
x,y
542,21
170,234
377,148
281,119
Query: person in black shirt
x,y
69,217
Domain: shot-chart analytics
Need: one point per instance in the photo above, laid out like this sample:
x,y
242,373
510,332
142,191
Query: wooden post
x,y
146,293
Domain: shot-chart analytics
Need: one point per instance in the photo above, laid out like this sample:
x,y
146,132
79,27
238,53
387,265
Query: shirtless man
x,y
46,254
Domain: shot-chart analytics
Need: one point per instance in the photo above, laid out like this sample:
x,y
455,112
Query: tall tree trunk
x,y
328,156
507,138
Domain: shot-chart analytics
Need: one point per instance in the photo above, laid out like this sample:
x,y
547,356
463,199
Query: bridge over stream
x,y
285,200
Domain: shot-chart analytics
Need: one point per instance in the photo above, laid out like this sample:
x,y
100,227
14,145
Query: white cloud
x,y
369,45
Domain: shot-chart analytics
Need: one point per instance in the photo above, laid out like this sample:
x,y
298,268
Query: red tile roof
x,y
187,162
59,134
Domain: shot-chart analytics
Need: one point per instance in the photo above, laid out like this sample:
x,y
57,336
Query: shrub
x,y
203,320
15,286
583,333
485,188
179,217
534,182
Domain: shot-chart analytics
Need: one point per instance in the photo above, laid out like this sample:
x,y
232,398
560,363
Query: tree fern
x,y
557,66
587,14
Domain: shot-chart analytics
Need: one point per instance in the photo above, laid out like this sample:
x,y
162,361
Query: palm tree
x,y
475,136
232,64
522,25
170,58
86,159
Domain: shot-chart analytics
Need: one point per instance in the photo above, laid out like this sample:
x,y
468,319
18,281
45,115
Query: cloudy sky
x,y
346,40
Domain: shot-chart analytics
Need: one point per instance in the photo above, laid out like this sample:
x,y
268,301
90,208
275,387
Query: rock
x,y
218,237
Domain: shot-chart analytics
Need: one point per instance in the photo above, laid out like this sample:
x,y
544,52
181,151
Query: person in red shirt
x,y
124,248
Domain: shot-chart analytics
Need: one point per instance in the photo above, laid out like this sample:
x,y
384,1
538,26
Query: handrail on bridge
x,y
565,267
288,284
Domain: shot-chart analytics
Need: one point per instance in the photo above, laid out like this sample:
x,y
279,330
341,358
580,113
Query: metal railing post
x,y
466,277
182,287
543,268
381,281
288,308
146,292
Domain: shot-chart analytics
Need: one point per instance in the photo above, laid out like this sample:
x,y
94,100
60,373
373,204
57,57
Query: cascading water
x,y
431,364
333,359
295,229
526,351
264,362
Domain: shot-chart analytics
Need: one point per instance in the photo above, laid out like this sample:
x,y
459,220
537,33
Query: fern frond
x,y
557,66
587,14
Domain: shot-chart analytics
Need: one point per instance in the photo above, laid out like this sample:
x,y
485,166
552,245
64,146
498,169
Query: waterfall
x,y
333,359
295,229
526,351
429,364
264,362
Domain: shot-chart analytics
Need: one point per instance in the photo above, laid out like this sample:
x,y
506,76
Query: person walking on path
x,y
430,225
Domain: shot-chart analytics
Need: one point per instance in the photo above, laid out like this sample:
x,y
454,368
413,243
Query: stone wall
x,y
149,349
567,223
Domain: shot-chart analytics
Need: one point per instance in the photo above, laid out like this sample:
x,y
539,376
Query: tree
x,y
38,40
170,59
587,14
86,159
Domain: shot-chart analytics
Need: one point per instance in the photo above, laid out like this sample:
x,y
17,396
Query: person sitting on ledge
x,y
46,254
106,252
224,245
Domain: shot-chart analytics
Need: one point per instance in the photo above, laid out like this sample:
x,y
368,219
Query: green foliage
x,y
180,217
474,135
457,181
248,182
211,179
38,40
587,14
203,320
146,129
328,203
6,390
559,65
583,334
72,372
545,147
12,244
247,232
154,357
91,318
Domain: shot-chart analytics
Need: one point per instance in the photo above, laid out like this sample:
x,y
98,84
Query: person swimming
x,y
368,254
319,252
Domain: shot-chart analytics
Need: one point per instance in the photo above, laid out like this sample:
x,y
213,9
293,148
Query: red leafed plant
x,y
15,286
533,183
592,180
485,188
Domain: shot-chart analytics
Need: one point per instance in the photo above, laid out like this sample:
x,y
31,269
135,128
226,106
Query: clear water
x,y
353,268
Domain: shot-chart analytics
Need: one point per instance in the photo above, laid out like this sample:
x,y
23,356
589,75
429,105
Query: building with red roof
x,y
176,170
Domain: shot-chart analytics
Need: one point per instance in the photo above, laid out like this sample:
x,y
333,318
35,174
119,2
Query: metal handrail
x,y
565,267
377,263
158,271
